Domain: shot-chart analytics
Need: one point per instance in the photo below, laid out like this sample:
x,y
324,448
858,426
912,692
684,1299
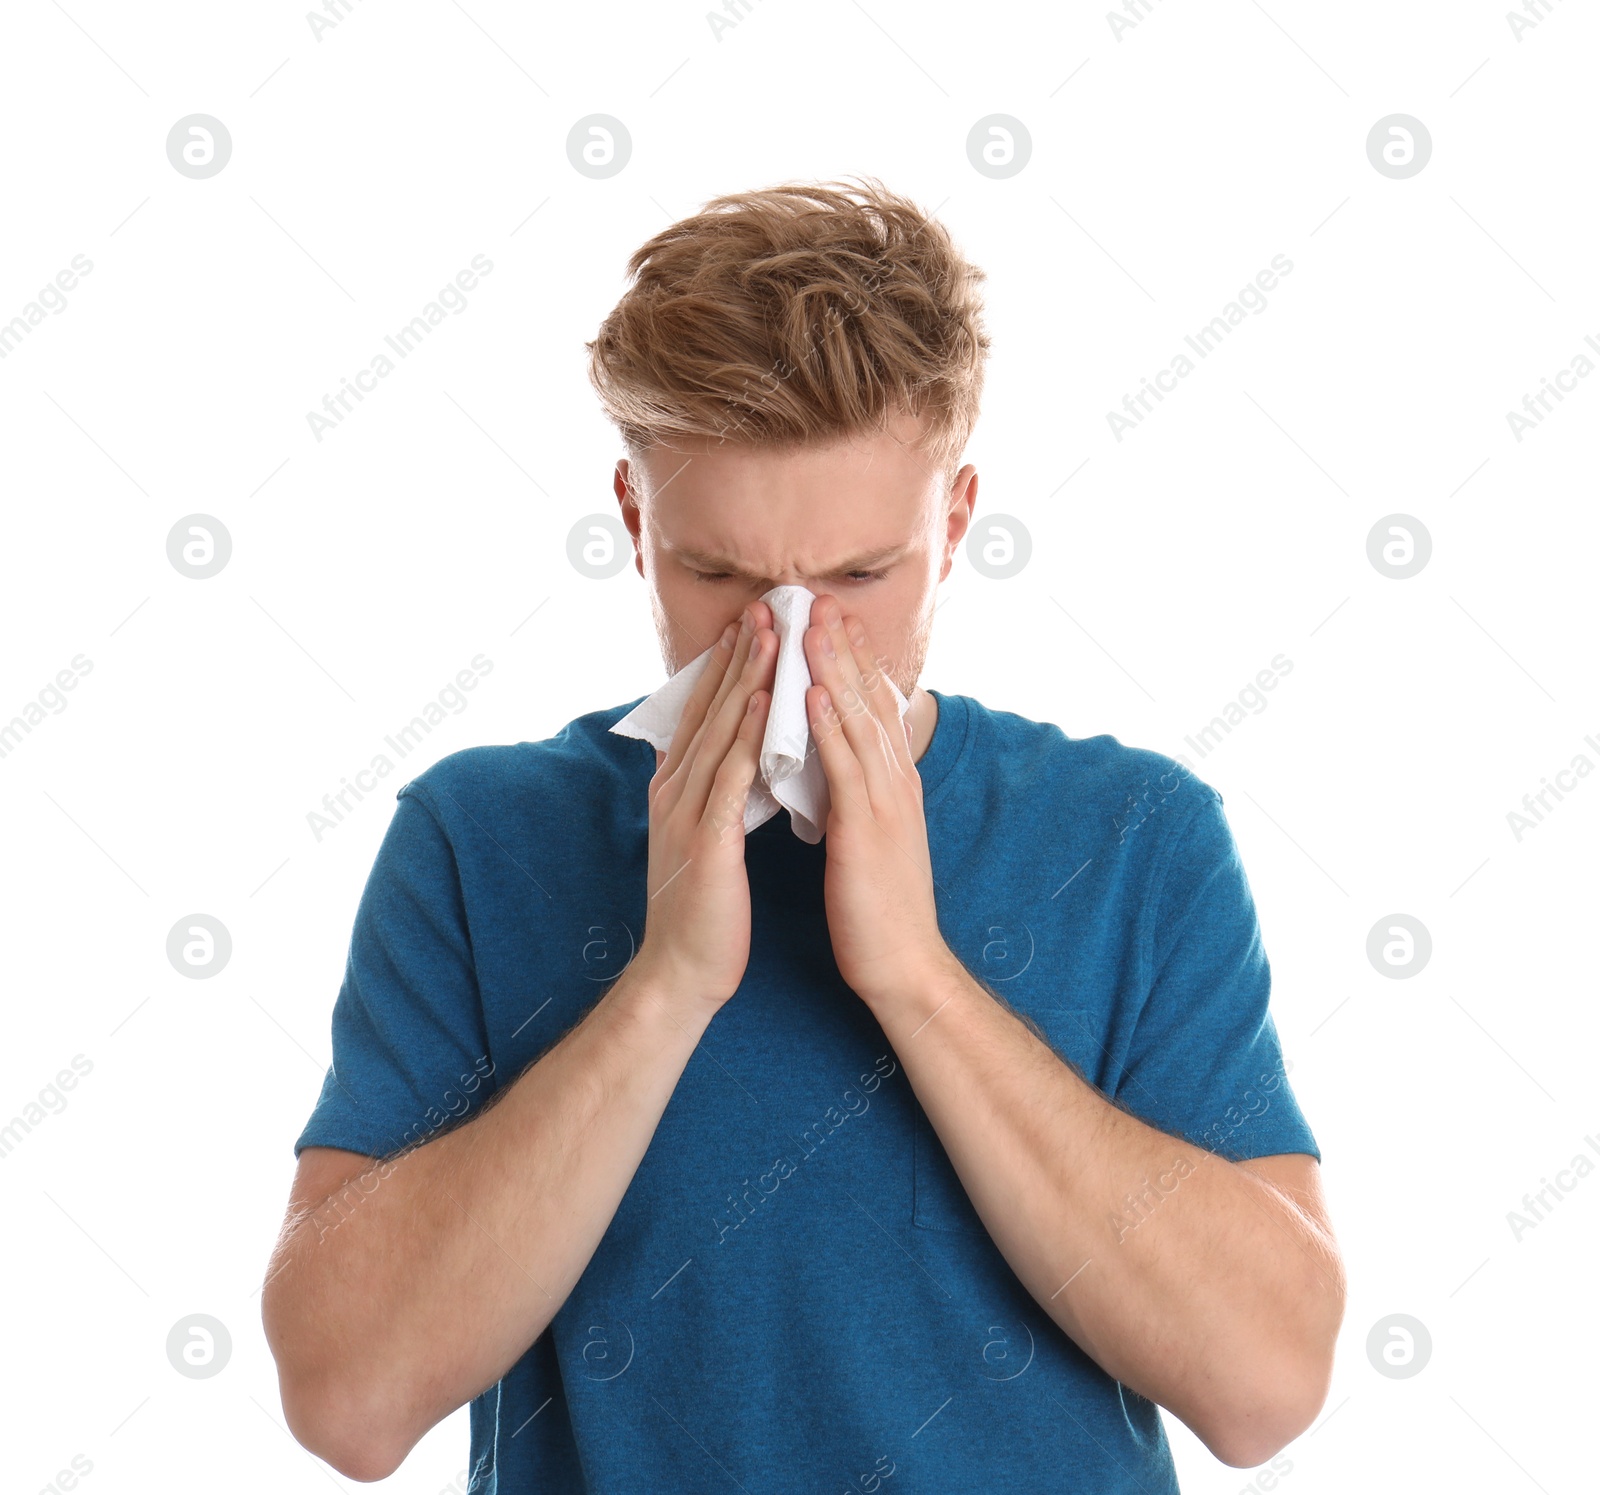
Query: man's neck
x,y
923,716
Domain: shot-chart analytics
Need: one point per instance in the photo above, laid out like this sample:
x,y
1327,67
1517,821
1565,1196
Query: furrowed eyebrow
x,y
706,561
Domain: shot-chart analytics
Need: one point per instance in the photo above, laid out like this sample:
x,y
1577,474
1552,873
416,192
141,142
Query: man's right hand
x,y
697,927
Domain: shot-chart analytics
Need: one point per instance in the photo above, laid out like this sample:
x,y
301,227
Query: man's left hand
x,y
878,883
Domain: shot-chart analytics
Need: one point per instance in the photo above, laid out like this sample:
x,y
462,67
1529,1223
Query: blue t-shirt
x,y
796,1293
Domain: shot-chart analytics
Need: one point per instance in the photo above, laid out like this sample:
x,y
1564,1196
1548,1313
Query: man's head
x,y
795,374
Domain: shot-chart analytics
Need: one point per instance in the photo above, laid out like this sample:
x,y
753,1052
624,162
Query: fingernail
x,y
727,636
827,645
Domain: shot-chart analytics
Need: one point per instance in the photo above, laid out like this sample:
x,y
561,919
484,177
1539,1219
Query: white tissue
x,y
789,774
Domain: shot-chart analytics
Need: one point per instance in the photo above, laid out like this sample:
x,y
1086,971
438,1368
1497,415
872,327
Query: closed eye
x,y
855,576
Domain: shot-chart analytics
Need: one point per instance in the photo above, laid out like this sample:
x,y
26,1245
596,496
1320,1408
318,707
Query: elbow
x,y
1270,1409
1249,1435
352,1439
1250,1440
330,1411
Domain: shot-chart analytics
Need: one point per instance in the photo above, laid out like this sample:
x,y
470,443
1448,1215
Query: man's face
x,y
716,526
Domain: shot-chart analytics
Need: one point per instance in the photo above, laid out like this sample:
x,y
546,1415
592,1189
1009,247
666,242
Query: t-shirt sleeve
x,y
410,1055
1204,1061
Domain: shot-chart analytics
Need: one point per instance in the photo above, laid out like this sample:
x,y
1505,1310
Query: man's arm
x,y
1224,1303
1213,1288
392,1301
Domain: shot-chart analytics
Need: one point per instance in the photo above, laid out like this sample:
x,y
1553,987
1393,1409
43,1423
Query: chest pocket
x,y
938,1199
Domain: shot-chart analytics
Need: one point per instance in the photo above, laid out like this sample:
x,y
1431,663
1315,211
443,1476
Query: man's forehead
x,y
887,463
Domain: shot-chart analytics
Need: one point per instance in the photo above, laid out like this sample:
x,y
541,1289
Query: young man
x,y
938,1152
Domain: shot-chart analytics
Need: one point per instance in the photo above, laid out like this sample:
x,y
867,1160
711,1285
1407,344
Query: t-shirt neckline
x,y
948,745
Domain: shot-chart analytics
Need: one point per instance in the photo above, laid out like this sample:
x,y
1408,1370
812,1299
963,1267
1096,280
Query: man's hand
x,y
697,929
878,882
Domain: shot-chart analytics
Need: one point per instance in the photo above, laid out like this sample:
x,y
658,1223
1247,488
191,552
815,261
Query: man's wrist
x,y
656,1014
910,999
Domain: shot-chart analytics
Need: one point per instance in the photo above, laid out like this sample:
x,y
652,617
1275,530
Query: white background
x,y
1168,167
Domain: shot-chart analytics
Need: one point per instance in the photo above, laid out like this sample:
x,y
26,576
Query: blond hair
x,y
796,315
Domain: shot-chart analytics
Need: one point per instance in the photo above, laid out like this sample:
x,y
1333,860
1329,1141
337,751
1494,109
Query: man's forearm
x,y
1185,1276
453,1258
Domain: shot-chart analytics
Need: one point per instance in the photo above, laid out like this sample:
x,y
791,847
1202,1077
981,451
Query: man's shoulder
x,y
583,764
1047,769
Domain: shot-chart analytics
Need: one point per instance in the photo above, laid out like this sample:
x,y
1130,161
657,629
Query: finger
x,y
847,786
871,668
705,688
730,789
756,615
728,686
857,720
709,691
744,642
724,726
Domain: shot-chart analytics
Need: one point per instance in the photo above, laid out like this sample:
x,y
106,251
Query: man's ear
x,y
958,518
622,486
